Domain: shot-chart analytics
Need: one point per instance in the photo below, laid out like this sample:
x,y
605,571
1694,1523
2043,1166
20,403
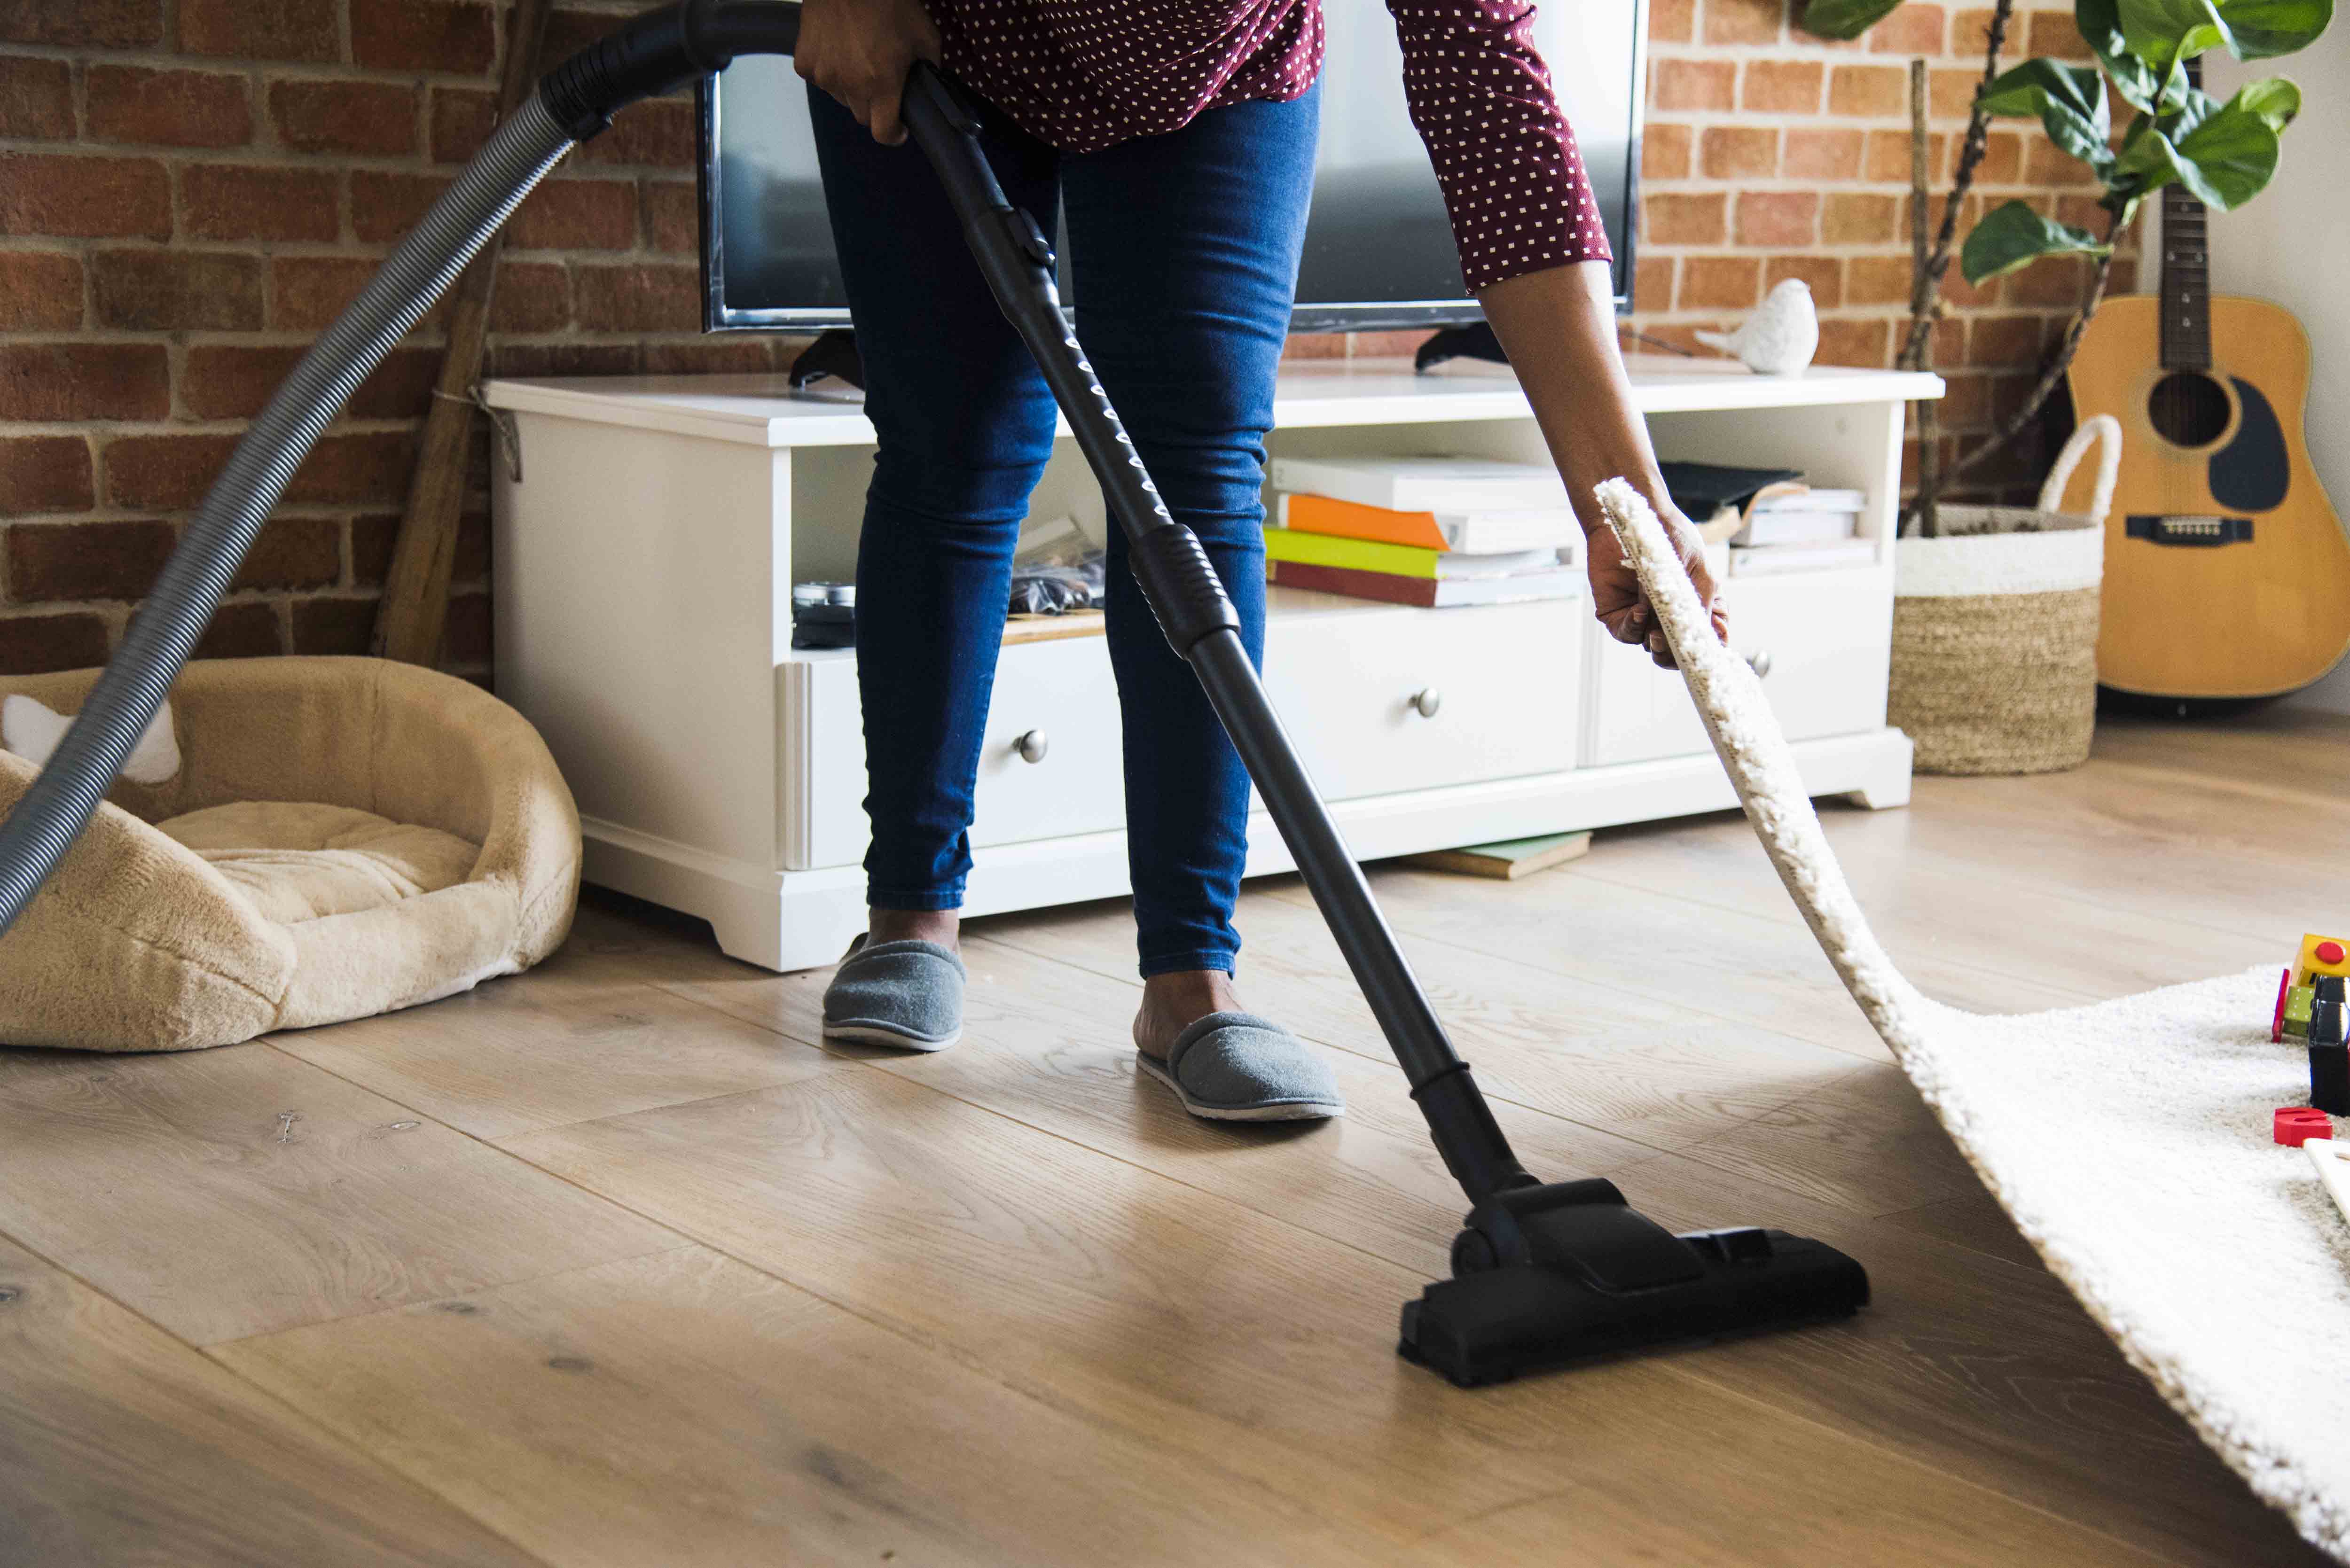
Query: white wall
x,y
2292,244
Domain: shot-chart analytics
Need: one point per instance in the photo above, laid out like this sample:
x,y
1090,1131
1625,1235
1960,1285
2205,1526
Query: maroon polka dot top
x,y
1084,75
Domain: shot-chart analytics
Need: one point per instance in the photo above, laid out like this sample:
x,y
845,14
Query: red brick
x,y
82,23
38,644
163,471
2045,164
245,631
2052,280
1998,340
39,291
155,291
1879,280
294,553
44,382
362,468
656,134
1825,274
576,214
1814,154
1720,283
423,36
373,535
370,118
174,108
672,216
1783,87
1673,21
2002,159
35,97
1856,218
1888,159
232,380
1912,29
245,201
1971,32
1744,21
1966,400
1949,95
335,625
1686,218
45,194
1695,84
461,120
305,293
43,473
735,354
1867,344
1739,152
596,358
467,640
386,206
399,388
1314,345
1882,91
637,298
531,296
568,32
1665,150
49,562
2053,35
1784,219
1652,283
470,561
262,29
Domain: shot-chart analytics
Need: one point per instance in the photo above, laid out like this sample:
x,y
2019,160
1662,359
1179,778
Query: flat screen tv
x,y
1378,251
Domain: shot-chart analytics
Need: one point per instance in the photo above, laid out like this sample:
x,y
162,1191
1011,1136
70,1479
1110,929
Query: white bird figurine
x,y
1778,340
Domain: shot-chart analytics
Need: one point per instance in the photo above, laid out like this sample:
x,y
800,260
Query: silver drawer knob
x,y
1032,746
1759,661
1426,702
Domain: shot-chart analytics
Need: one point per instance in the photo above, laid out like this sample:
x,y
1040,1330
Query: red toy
x,y
2296,1125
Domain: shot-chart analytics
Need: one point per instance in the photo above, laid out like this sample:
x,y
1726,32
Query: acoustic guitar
x,y
2227,574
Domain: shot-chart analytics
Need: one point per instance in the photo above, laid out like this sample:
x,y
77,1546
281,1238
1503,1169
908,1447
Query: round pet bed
x,y
298,841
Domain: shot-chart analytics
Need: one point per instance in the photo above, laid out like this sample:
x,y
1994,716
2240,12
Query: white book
x,y
1814,500
1769,560
1425,484
1515,589
1459,565
1795,527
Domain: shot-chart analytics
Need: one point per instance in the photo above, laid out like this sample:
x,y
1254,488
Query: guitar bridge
x,y
2202,530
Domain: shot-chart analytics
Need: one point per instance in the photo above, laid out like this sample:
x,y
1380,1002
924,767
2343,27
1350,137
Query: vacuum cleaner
x,y
1542,1273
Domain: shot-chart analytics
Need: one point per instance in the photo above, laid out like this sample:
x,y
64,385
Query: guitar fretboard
x,y
2186,283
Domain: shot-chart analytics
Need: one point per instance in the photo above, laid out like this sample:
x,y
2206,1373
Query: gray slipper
x,y
903,994
1238,1068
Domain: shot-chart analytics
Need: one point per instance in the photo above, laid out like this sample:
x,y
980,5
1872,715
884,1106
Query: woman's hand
x,y
1624,609
860,51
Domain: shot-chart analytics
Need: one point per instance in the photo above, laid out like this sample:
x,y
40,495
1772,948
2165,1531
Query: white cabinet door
x,y
1389,700
1822,641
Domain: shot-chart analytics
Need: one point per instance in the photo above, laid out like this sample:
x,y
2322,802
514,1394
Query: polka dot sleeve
x,y
1482,99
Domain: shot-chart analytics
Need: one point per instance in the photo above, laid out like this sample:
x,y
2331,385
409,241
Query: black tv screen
x,y
1379,250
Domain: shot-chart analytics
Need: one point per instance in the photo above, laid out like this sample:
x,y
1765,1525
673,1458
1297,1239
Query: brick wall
x,y
190,189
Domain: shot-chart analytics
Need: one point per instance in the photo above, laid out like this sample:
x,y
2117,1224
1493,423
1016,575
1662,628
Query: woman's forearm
x,y
1558,326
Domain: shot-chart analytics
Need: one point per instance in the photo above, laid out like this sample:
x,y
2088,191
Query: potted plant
x,y
1995,629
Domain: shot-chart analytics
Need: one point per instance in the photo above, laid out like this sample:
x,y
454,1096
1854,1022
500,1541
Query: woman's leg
x,y
1184,249
965,425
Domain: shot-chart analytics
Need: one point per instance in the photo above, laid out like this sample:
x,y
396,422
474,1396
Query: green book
x,y
1397,560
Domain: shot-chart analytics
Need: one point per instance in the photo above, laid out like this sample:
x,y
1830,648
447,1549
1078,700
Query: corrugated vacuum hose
x,y
1544,1273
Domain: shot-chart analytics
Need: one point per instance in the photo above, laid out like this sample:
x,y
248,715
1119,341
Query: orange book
x,y
1351,519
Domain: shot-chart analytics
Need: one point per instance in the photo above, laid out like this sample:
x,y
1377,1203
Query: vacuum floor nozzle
x,y
1549,1275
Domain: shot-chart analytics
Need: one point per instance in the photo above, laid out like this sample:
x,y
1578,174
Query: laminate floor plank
x,y
121,1447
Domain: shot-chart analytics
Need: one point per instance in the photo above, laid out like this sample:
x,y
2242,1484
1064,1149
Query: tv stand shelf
x,y
643,568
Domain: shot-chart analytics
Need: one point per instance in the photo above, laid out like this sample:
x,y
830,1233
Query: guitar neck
x,y
2185,272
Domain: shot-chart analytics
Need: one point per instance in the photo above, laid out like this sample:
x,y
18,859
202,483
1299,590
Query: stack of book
x,y
1792,528
1431,531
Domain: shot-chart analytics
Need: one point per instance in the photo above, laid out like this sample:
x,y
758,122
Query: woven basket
x,y
1995,627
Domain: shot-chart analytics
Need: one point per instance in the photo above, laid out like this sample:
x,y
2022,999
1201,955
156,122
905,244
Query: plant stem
x,y
2091,297
1918,354
1970,156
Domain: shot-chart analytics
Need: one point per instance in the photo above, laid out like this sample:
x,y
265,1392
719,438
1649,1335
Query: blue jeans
x,y
1183,253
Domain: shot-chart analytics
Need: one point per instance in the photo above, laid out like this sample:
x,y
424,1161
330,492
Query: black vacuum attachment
x,y
1543,1274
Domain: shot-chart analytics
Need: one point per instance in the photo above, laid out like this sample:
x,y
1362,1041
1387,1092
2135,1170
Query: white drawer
x,y
1504,679
1060,692
1826,639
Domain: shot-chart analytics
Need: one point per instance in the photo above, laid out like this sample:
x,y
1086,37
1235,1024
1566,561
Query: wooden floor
x,y
612,1263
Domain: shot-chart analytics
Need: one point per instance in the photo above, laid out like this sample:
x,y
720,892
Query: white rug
x,y
2130,1141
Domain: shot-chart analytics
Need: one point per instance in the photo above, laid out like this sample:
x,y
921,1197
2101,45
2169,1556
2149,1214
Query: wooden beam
x,y
415,606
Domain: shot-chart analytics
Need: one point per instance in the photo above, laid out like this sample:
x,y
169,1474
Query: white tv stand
x,y
643,568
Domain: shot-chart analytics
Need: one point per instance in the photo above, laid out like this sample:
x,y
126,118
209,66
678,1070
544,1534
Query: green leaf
x,y
2163,32
2234,151
2100,23
2265,28
1846,18
2274,99
2069,99
2014,235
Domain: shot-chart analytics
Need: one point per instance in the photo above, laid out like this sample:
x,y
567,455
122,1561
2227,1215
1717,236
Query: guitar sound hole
x,y
2188,409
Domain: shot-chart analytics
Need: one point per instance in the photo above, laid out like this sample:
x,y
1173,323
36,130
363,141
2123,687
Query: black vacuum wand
x,y
1544,1273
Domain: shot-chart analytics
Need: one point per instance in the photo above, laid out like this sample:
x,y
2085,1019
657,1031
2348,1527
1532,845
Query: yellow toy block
x,y
2319,956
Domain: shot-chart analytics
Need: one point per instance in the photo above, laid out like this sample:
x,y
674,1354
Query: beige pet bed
x,y
314,839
